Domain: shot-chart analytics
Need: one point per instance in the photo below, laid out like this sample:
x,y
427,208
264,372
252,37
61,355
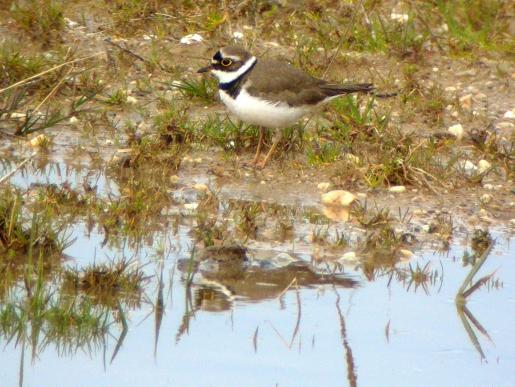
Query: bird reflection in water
x,y
225,274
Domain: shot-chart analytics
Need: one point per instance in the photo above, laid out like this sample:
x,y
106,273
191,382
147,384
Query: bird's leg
x,y
260,145
277,138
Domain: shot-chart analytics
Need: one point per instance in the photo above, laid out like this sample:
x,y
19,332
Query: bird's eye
x,y
226,62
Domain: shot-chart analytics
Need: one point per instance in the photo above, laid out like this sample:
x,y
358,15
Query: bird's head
x,y
229,63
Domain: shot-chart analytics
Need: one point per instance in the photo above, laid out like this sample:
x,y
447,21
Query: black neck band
x,y
233,88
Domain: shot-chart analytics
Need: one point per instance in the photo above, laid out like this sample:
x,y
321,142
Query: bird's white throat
x,y
229,76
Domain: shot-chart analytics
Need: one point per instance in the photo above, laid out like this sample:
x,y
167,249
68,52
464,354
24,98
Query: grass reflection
x,y
39,310
482,245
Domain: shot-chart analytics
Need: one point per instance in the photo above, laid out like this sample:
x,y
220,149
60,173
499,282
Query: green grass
x,y
432,103
477,24
118,97
207,229
107,283
173,126
324,153
351,113
131,16
202,89
320,235
41,19
17,66
35,315
229,135
382,154
23,232
371,217
246,218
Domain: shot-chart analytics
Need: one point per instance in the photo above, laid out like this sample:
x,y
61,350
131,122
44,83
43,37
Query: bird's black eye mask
x,y
217,57
225,64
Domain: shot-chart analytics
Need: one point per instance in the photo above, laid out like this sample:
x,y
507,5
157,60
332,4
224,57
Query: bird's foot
x,y
254,164
249,164
260,165
257,162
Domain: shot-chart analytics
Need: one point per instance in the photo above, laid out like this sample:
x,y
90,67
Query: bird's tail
x,y
333,90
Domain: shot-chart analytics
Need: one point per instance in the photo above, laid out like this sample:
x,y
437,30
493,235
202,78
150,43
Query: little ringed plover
x,y
270,93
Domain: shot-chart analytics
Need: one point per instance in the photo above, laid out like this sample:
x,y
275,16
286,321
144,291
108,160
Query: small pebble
x,y
70,23
352,158
509,114
191,206
272,44
283,260
486,198
467,166
485,216
443,28
39,141
201,187
504,125
336,213
73,120
407,254
397,189
470,72
132,100
338,198
399,17
466,102
483,166
348,257
324,186
456,130
191,39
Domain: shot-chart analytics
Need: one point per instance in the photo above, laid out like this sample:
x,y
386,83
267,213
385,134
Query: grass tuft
x,y
107,283
21,232
42,19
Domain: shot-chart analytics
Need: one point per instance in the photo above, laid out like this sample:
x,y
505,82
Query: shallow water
x,y
382,332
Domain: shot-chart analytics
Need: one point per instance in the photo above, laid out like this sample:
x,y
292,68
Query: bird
x,y
270,93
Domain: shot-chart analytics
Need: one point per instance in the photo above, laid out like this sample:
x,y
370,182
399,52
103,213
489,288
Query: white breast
x,y
259,112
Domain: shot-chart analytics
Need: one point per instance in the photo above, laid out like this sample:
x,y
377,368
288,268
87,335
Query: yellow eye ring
x,y
226,62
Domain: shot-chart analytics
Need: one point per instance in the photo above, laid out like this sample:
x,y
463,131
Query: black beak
x,y
204,69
